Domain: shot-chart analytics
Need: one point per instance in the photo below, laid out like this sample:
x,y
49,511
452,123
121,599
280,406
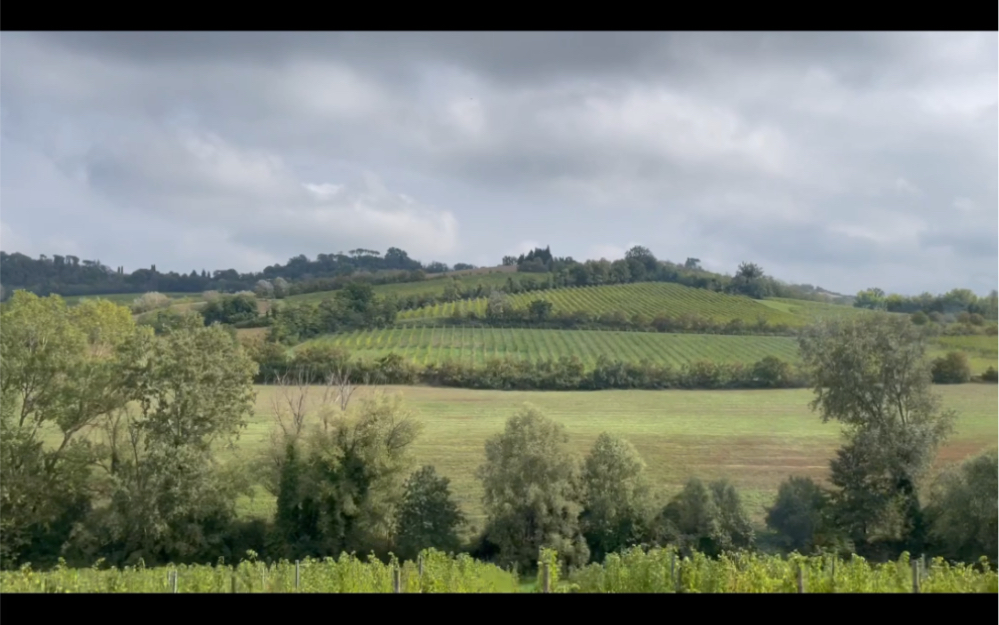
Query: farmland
x,y
754,438
424,345
429,287
646,298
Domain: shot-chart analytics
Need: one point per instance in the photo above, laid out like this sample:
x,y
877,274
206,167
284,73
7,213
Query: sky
x,y
843,160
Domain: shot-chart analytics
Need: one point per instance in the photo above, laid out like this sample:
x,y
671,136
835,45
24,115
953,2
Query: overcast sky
x,y
845,160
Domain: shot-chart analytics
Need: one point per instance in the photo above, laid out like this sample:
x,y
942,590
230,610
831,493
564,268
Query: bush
x,y
963,509
796,515
951,369
990,375
149,301
919,318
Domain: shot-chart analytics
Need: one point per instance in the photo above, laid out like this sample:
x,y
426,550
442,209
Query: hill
x,y
646,298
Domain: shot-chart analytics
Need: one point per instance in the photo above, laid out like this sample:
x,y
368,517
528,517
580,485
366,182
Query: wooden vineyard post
x,y
833,574
419,568
298,576
232,580
801,579
173,582
263,577
672,570
922,567
396,580
547,578
915,576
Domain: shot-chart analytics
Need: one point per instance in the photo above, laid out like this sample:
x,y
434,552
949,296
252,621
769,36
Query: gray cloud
x,y
840,159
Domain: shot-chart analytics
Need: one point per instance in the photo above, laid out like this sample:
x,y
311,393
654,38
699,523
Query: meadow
x,y
756,439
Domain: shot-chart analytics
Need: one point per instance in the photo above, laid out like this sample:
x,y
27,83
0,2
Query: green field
x,y
647,298
424,345
754,438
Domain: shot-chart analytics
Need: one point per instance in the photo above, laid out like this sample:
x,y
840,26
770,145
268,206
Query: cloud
x,y
832,158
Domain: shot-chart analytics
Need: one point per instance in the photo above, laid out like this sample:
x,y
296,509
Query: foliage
x,y
230,309
352,479
616,497
532,491
709,519
149,301
798,514
64,370
346,574
963,509
659,570
428,517
869,373
953,368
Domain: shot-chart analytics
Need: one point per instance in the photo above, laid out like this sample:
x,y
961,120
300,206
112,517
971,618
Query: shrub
x,y
951,369
990,375
797,513
149,301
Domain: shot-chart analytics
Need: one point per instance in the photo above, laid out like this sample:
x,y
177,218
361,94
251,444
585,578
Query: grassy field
x,y
466,344
648,298
754,438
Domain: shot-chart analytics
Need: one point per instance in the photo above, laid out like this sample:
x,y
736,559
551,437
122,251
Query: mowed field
x,y
754,438
425,345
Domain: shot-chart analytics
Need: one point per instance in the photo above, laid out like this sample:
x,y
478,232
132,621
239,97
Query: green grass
x,y
424,345
754,438
647,298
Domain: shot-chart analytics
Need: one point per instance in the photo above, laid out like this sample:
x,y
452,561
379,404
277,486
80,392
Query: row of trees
x,y
68,275
956,302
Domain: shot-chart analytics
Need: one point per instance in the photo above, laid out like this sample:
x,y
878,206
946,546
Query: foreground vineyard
x,y
425,345
646,298
659,570
436,572
635,571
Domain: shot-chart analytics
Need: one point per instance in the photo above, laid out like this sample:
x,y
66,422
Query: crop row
x,y
424,345
434,572
647,298
660,570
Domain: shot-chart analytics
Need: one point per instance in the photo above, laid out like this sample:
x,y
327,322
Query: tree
x,y
499,305
509,261
170,497
540,309
953,368
692,263
873,299
280,288
797,514
749,271
264,289
63,371
354,467
150,301
869,373
532,497
963,509
428,517
615,497
709,519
